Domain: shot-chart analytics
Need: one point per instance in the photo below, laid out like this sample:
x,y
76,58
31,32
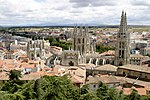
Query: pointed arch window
x,y
79,41
123,44
119,44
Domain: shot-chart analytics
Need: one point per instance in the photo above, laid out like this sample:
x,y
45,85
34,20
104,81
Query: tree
x,y
61,88
11,87
102,91
134,95
100,48
89,96
84,89
105,93
27,91
10,96
121,96
56,88
147,97
14,75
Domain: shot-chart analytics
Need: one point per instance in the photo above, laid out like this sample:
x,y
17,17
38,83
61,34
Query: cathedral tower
x,y
122,52
81,42
35,49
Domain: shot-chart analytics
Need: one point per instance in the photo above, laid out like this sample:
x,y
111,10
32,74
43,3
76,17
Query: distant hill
x,y
72,25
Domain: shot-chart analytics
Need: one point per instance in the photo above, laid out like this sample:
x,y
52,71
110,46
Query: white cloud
x,y
32,12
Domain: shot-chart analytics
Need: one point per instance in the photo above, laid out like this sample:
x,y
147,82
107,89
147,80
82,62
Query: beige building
x,y
134,71
145,51
104,69
137,59
18,46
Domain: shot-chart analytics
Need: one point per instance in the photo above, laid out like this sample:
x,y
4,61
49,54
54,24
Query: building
x,y
81,46
18,46
122,52
35,49
134,71
104,69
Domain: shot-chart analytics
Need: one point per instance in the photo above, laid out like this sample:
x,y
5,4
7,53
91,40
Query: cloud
x,y
140,2
86,3
32,12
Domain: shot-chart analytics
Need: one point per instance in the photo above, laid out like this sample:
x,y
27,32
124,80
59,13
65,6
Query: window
x,y
83,48
83,40
119,44
123,44
124,73
78,48
94,86
145,76
32,56
119,53
38,55
122,53
79,41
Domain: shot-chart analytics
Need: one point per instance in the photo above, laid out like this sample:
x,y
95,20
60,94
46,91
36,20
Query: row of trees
x,y
100,48
56,42
58,88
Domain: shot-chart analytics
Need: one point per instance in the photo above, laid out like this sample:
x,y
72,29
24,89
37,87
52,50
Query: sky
x,y
65,12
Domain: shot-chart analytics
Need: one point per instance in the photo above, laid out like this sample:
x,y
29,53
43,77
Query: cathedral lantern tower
x,y
122,52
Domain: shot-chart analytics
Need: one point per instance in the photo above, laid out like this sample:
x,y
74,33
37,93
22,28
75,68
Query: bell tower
x,y
122,52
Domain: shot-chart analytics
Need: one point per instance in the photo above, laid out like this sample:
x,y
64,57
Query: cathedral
x,y
81,46
83,49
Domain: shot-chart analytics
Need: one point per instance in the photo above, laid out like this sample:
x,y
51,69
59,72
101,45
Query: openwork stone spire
x,y
122,55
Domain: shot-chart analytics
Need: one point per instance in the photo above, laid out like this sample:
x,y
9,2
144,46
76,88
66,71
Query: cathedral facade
x,y
35,49
81,46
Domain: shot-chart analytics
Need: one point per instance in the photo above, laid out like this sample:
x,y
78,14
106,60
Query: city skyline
x,y
66,12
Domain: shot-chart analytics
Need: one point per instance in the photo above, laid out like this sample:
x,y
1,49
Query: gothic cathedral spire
x,y
122,52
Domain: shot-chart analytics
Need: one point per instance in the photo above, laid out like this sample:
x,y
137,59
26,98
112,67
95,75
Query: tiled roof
x,y
103,78
107,67
128,91
32,76
137,82
109,52
76,79
77,71
136,56
4,76
135,68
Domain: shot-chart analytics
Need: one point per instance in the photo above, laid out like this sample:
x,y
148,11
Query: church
x,y
83,49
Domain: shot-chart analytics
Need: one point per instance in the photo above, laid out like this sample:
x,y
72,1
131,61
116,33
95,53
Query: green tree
x,y
147,97
27,91
121,96
56,88
84,89
89,96
11,86
100,48
11,96
105,93
14,75
134,95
